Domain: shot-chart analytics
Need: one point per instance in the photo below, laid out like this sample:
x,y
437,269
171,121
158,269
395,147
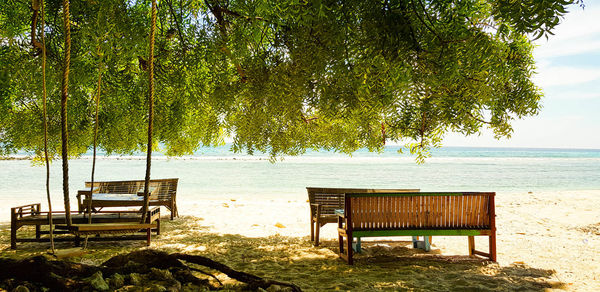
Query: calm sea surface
x,y
214,173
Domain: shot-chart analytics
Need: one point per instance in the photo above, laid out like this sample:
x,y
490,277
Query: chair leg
x,y
312,229
349,248
317,229
158,226
340,238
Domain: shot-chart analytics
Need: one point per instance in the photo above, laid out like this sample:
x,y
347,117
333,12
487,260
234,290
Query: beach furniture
x,y
113,222
129,193
324,201
417,214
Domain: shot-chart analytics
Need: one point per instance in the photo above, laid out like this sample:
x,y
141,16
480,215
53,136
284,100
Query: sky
x,y
568,71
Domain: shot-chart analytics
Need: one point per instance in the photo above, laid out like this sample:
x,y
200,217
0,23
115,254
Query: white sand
x,y
540,230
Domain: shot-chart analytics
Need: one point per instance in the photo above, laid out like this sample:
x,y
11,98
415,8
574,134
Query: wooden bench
x,y
324,202
417,214
162,193
31,215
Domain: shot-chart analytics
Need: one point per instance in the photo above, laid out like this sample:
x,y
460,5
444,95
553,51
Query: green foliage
x,y
277,76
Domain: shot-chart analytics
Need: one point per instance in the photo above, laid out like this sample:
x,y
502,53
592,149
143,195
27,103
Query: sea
x,y
217,173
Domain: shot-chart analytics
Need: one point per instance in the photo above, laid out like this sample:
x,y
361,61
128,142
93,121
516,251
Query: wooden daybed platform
x,y
31,215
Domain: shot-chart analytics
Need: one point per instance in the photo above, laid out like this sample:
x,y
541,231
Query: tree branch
x,y
424,23
179,32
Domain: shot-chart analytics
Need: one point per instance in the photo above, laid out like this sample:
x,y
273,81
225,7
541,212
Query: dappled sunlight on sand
x,y
383,265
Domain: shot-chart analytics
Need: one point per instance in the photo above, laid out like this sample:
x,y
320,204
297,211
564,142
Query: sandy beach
x,y
546,240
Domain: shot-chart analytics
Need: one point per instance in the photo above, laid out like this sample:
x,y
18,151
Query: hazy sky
x,y
568,66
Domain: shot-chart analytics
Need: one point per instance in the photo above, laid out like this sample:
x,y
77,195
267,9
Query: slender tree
x,y
150,110
45,116
63,112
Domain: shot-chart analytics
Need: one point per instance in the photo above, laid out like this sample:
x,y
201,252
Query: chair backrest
x,y
332,199
468,210
162,189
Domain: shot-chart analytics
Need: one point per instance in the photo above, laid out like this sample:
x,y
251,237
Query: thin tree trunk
x,y
89,205
150,112
63,112
44,93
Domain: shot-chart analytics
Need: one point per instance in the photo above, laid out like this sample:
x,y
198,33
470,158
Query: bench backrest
x,y
332,199
163,189
368,211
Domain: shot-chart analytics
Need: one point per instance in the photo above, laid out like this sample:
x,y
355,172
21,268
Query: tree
x,y
278,76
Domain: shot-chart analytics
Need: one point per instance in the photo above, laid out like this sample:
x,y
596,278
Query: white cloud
x,y
563,75
538,132
573,95
568,48
578,33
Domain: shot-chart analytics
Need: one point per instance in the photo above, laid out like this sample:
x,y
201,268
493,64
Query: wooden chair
x,y
417,214
324,202
163,192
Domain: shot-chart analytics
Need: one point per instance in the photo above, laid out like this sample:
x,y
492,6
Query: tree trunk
x,y
150,112
63,112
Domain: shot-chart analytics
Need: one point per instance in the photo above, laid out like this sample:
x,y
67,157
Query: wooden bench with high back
x,y
324,202
418,214
162,193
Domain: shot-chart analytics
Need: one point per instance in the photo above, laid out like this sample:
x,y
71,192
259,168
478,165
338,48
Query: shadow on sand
x,y
382,265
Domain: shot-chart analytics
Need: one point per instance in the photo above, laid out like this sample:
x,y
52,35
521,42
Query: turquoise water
x,y
217,173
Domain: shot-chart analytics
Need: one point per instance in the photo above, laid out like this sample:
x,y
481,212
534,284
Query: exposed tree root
x,y
151,265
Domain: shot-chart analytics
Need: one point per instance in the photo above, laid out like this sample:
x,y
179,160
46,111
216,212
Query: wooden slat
x,y
107,226
469,211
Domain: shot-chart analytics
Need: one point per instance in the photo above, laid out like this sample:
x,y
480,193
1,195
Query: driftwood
x,y
58,275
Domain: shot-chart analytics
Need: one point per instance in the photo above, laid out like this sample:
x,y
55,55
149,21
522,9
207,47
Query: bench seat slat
x,y
419,232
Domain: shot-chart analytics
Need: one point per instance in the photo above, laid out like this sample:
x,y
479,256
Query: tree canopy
x,y
276,76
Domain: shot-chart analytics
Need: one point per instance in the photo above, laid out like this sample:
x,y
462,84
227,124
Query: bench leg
x,y
37,231
148,236
158,226
13,235
471,246
424,245
357,246
493,246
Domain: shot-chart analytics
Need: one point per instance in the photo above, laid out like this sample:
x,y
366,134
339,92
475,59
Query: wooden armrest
x,y
83,192
315,209
26,206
